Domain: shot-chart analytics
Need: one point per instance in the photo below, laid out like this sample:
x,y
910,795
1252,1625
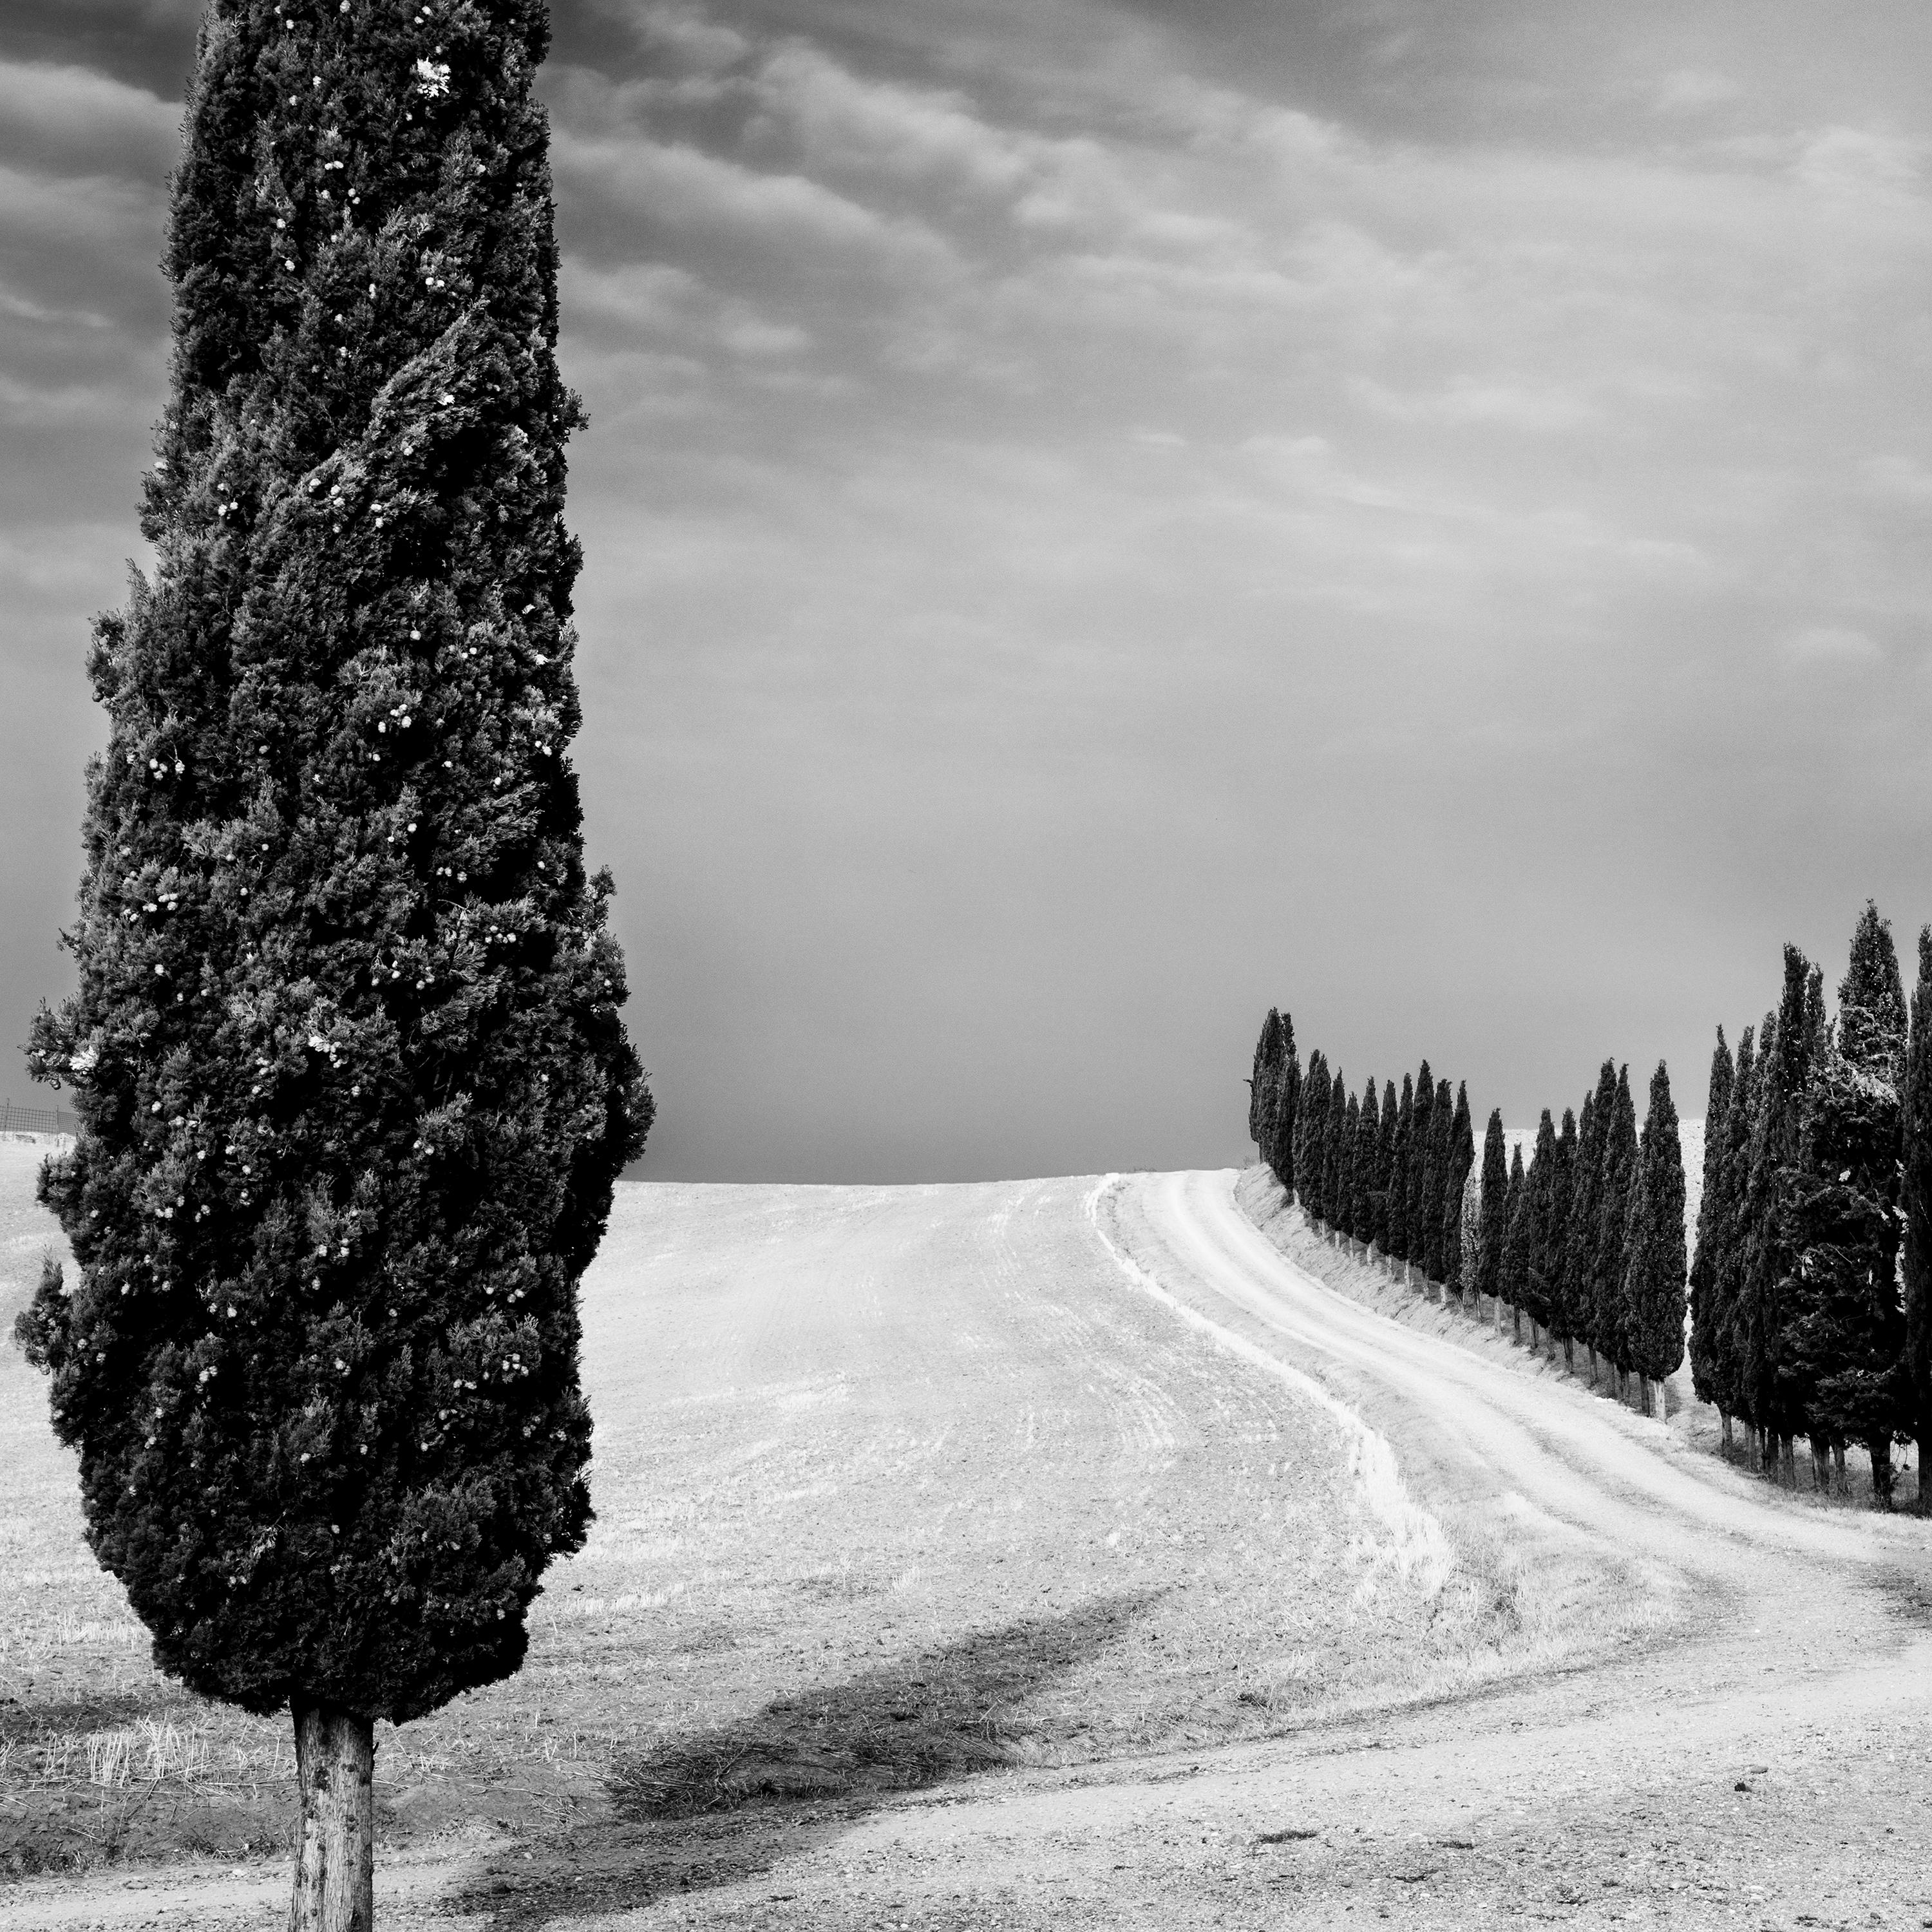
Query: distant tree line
x,y
1811,1288
1810,1297
1385,1169
1585,1243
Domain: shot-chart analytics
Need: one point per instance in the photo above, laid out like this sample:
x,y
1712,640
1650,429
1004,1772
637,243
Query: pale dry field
x,y
1073,1554
894,1487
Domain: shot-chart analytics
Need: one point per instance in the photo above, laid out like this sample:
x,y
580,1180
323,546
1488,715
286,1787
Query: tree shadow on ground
x,y
729,1804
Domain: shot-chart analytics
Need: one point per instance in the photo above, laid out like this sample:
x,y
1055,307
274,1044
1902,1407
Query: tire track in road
x,y
1417,1550
1614,1476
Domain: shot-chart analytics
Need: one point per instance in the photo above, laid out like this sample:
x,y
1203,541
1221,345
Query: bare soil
x,y
1065,1553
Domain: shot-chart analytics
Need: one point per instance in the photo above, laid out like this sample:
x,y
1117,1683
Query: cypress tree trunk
x,y
1841,1483
1821,1465
335,1766
1881,1466
1787,1463
1729,1444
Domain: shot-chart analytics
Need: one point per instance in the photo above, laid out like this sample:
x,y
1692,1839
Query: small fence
x,y
17,1120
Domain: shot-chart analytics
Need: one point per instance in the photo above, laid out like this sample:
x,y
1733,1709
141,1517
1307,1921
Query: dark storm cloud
x,y
1100,517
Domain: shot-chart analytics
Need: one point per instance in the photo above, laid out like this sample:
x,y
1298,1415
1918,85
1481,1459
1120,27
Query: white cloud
x,y
687,187
1860,161
1467,402
846,122
1688,90
1902,479
1834,645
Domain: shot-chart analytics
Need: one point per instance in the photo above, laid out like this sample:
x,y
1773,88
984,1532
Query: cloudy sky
x,y
1102,515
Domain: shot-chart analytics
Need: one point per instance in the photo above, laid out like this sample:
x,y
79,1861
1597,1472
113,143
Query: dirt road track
x,y
1757,1757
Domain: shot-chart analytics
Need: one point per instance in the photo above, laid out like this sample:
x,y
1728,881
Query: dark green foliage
x,y
1263,1086
1435,1181
1772,1306
1608,1335
1284,1109
1346,1201
1400,1157
1726,1345
1386,1164
1653,1270
1311,1154
1495,1211
1577,1275
1538,1198
1872,1019
1753,1199
1461,1158
1915,1201
1519,1234
1843,1326
1366,1129
1425,1201
1707,1319
352,1085
1556,1299
1416,1211
1337,1145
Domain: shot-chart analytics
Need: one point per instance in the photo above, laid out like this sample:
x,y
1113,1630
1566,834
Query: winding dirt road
x,y
1747,1746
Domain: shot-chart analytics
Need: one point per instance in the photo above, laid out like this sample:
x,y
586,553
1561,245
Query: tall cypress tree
x,y
1461,1159
1620,1160
1586,1201
1367,1161
1538,1188
1774,1303
352,1088
1844,1324
1495,1214
1385,1167
1284,1120
1727,1275
1916,1204
1416,1216
1401,1156
1427,1236
1261,1088
1713,1214
1653,1270
1441,1122
1518,1237
1337,1145
1562,1181
1311,1152
1755,1201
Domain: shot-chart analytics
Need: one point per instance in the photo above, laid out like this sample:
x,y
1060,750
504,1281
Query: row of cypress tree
x,y
1586,1242
1378,1168
1817,1186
